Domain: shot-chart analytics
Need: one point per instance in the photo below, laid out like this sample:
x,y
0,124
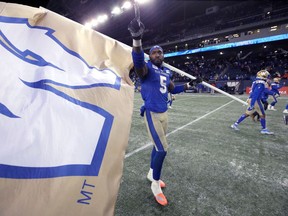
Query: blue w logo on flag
x,y
46,129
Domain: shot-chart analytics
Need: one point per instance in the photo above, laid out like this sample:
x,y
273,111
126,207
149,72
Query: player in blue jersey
x,y
264,100
171,97
170,100
155,86
275,86
254,102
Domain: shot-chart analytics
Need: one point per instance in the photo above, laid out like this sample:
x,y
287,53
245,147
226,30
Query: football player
x,y
171,97
254,102
155,86
275,86
264,101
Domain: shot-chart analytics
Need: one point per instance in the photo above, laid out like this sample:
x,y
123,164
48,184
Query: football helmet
x,y
263,74
276,79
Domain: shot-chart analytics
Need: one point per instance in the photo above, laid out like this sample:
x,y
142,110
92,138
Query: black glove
x,y
196,81
136,29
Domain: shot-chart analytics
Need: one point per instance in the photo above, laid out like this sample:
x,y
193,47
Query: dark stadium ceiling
x,y
154,14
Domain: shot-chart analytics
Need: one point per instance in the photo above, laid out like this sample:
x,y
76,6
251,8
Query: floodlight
x,y
102,18
116,11
94,22
127,5
142,1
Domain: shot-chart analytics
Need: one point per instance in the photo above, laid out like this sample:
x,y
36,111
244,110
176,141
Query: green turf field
x,y
210,169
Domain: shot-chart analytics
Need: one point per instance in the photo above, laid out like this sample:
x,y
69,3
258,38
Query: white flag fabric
x,y
66,104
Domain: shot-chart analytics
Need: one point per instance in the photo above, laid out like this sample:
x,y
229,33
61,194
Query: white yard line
x,y
177,129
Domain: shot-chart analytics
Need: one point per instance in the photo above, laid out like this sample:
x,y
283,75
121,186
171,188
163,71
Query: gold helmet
x,y
277,79
263,74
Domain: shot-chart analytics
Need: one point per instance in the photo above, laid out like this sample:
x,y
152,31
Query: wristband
x,y
137,43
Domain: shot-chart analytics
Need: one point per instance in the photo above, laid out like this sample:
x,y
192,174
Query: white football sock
x,y
150,175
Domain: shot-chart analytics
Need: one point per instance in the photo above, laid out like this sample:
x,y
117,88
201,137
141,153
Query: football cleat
x,y
161,199
158,194
266,131
235,126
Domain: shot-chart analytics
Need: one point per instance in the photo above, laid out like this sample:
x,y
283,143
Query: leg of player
x,y
272,105
242,117
261,112
264,130
155,185
156,126
150,173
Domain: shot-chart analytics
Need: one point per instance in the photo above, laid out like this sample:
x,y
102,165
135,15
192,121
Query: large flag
x,y
66,104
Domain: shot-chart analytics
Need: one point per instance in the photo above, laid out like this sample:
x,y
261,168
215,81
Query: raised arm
x,y
136,28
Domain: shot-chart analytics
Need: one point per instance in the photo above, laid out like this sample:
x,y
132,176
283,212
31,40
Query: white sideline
x,y
177,129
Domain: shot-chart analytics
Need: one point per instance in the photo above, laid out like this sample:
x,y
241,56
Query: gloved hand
x,y
196,81
250,108
136,29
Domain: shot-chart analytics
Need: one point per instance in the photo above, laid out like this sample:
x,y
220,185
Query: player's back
x,y
257,88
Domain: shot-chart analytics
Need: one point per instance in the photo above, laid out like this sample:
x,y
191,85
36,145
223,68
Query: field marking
x,y
177,129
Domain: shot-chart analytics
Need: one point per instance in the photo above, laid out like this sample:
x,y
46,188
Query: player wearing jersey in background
x,y
155,85
171,97
275,86
170,100
254,102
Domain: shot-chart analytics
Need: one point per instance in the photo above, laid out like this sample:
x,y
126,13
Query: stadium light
x,y
102,18
127,5
142,1
116,11
94,23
